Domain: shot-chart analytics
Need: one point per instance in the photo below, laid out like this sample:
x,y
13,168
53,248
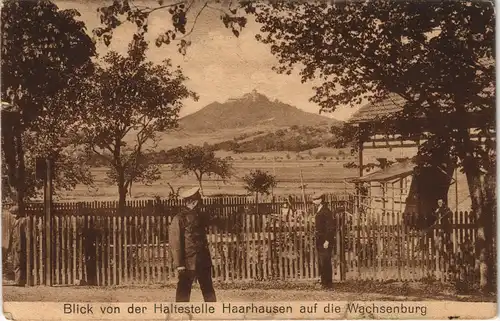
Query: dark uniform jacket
x,y
444,216
17,247
188,241
17,237
325,227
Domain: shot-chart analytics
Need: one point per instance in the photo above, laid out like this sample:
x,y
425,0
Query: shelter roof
x,y
394,171
371,111
395,103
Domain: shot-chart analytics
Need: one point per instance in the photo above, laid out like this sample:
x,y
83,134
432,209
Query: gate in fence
x,y
92,244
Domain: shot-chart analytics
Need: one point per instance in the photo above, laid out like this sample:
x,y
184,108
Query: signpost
x,y
44,170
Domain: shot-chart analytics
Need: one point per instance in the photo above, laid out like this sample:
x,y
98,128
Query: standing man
x,y
325,237
189,246
17,246
444,217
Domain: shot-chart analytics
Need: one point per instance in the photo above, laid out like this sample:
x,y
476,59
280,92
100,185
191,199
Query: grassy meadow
x,y
326,173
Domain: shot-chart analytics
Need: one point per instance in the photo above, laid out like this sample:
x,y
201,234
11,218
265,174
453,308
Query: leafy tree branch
x,y
201,162
129,101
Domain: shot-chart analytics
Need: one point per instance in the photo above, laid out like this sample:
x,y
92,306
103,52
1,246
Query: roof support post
x,y
360,150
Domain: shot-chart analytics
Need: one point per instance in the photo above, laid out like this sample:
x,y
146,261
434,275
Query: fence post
x,y
48,222
342,247
29,256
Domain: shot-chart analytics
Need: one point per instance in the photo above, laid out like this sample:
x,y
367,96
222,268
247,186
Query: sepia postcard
x,y
248,160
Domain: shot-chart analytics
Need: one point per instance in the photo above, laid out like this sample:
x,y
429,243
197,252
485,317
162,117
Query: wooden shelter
x,y
391,183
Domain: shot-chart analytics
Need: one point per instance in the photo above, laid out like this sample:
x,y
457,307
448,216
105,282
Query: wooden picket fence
x,y
93,243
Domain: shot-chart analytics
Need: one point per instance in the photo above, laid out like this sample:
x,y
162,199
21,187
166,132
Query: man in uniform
x,y
444,216
325,236
189,246
17,246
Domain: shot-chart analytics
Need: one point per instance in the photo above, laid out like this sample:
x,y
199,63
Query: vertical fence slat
x,y
312,245
64,248
74,248
126,243
143,258
156,248
98,240
231,219
80,253
121,249
29,251
166,263
148,248
102,245
57,249
135,275
34,245
109,239
408,258
69,246
401,265
349,219
247,244
238,234
101,227
170,260
219,210
163,221
64,254
379,248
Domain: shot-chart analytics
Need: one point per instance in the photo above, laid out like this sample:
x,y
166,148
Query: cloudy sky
x,y
219,65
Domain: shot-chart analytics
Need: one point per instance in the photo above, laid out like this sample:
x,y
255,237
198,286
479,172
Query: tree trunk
x,y
256,203
9,151
200,178
14,157
428,185
21,172
483,208
482,185
122,199
122,193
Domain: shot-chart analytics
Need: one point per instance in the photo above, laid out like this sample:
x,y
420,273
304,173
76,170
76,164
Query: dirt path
x,y
245,294
88,294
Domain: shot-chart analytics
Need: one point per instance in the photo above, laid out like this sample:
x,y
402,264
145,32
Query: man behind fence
x,y
17,246
325,236
444,217
189,246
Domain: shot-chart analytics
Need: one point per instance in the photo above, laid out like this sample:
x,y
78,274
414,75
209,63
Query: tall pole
x,y
456,188
303,187
360,157
48,221
274,174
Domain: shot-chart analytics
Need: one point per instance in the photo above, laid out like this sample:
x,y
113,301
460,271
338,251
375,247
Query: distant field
x,y
324,175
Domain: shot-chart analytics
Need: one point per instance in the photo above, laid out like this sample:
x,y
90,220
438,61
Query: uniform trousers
x,y
325,266
185,283
19,262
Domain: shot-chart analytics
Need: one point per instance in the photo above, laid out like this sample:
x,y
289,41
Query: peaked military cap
x,y
318,196
190,193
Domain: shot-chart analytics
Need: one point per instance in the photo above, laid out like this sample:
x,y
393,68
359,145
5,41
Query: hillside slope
x,y
252,110
294,138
